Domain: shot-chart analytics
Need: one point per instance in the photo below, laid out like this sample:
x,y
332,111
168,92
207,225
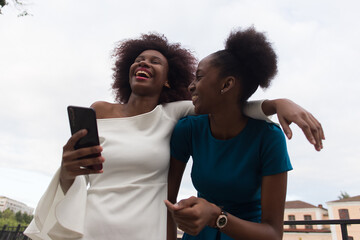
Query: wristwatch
x,y
221,221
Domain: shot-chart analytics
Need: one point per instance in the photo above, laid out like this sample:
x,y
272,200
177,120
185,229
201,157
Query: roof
x,y
298,204
349,199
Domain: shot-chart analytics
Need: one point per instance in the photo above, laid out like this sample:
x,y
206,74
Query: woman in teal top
x,y
239,164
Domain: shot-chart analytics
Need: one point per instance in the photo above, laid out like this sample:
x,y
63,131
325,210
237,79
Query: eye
x,y
139,59
199,77
156,60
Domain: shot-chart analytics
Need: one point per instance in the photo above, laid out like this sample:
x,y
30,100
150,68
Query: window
x,y
344,214
308,218
292,218
350,238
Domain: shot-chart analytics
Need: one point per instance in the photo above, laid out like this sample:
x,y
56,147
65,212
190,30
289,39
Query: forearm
x,y
273,193
269,107
241,229
175,174
254,109
171,228
65,185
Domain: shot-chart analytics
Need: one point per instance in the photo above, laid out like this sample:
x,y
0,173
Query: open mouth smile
x,y
194,98
143,74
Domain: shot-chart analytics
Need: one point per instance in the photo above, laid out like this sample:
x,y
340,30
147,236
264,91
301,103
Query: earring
x,y
167,85
222,91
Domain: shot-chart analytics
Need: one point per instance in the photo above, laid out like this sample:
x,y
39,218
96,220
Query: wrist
x,y
214,216
221,220
269,107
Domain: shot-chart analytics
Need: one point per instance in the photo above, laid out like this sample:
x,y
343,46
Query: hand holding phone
x,y
85,118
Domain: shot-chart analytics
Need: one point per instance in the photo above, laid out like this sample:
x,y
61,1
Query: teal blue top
x,y
229,172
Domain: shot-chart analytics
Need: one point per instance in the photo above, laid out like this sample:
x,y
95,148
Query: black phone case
x,y
84,118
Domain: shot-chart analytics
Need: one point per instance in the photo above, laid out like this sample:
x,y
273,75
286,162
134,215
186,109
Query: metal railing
x,y
16,233
342,222
13,233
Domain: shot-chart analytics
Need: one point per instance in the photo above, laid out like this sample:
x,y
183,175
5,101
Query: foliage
x,y
18,4
343,195
2,4
10,218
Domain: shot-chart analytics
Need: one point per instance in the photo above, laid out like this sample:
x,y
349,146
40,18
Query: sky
x,y
60,55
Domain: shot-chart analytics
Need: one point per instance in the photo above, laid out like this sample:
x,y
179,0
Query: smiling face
x,y
206,88
148,73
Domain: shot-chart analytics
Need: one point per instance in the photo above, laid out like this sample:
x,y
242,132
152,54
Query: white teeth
x,y
142,72
194,98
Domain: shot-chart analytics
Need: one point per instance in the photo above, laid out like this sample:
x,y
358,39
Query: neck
x,y
139,105
227,123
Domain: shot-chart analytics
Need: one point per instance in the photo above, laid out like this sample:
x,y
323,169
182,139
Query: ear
x,y
166,84
229,83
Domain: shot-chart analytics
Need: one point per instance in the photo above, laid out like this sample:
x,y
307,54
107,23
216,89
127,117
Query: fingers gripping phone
x,y
85,118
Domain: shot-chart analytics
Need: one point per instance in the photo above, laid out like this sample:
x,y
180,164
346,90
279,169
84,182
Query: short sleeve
x,y
254,110
179,109
180,144
274,156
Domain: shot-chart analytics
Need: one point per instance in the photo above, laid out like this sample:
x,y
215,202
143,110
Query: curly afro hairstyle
x,y
181,63
249,57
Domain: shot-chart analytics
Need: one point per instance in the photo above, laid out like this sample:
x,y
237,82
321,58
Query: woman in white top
x,y
124,200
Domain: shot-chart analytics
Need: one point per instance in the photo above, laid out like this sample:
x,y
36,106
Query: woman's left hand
x,y
193,214
289,112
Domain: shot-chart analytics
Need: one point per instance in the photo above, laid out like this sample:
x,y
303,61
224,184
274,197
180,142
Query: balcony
x,y
343,225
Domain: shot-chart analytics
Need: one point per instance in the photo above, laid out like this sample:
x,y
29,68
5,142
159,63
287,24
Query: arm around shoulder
x,y
289,112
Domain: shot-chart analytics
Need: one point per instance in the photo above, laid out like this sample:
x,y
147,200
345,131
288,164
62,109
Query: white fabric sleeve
x,y
58,216
179,109
253,109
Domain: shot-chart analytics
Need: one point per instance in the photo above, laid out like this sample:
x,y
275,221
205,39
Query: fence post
x,y
16,232
344,231
2,231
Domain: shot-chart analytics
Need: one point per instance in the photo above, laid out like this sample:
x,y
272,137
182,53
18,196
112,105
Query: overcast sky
x,y
61,55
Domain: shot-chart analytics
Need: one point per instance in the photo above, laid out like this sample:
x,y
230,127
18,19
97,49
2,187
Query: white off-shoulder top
x,y
126,200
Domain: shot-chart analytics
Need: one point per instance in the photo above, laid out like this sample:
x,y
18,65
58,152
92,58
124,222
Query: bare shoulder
x,y
103,109
100,104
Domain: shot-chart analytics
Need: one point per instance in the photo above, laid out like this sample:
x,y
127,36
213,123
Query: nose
x,y
143,63
192,87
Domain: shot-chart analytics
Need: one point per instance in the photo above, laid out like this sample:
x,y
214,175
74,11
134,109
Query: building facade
x,y
15,206
299,210
347,208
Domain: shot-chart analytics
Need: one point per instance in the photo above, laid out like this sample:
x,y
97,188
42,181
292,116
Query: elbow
x,y
277,234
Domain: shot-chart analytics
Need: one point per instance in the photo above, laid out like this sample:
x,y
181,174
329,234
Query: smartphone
x,y
85,118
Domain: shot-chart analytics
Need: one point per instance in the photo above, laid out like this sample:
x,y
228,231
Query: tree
x,y
9,222
18,4
2,3
8,217
27,218
8,214
343,195
19,216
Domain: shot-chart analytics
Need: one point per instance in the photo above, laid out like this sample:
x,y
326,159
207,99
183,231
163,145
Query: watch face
x,y
222,221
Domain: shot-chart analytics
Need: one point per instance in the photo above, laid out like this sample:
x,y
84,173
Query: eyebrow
x,y
157,58
151,57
